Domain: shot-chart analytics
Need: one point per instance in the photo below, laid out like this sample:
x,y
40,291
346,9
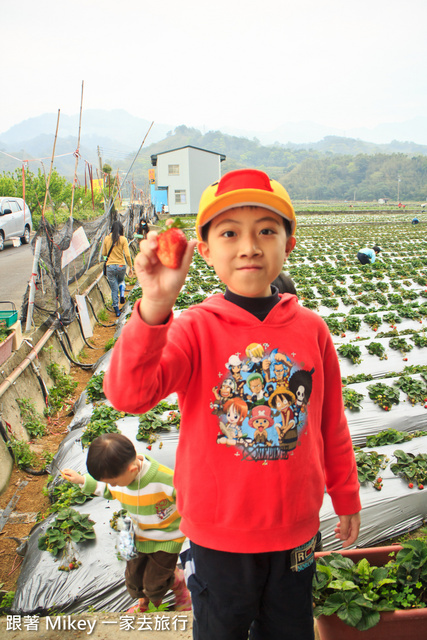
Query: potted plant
x,y
380,591
6,342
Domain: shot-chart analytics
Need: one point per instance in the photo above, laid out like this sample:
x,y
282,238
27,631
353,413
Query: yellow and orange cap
x,y
240,188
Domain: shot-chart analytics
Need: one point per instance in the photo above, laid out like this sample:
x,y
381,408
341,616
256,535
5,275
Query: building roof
x,y
187,146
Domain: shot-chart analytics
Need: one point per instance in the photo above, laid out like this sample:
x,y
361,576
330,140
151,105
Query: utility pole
x,y
100,159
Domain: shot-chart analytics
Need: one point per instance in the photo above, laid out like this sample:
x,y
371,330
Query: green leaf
x,y
368,620
343,585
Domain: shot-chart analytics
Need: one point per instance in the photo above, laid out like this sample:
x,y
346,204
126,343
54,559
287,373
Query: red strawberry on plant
x,y
172,244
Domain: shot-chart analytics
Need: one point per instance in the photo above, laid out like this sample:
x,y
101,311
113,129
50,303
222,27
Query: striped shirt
x,y
150,501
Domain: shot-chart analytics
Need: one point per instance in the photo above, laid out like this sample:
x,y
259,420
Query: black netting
x,y
52,295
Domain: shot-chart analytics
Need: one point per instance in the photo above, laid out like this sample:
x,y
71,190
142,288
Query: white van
x,y
15,220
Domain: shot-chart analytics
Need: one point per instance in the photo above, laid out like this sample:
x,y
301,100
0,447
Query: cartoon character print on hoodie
x,y
264,414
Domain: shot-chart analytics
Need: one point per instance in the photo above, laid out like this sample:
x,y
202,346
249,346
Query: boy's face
x,y
247,247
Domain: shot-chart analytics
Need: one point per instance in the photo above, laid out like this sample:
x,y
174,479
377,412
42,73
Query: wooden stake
x,y
51,165
77,154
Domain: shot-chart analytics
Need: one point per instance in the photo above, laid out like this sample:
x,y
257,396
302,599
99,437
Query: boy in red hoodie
x,y
250,508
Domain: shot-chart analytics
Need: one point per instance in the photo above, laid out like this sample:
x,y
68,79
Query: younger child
x,y
145,489
250,509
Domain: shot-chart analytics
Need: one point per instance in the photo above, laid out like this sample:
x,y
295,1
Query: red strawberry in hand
x,y
172,244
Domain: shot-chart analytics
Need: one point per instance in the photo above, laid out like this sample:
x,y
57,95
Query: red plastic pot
x,y
402,624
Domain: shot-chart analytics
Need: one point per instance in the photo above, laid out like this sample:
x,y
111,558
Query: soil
x,y
28,489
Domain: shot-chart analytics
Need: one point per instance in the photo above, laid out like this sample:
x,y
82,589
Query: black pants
x,y
363,258
234,594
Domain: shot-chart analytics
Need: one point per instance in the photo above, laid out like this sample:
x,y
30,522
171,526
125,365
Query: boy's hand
x,y
347,529
160,284
72,476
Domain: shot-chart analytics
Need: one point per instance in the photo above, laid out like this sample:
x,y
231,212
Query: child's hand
x,y
160,284
347,529
72,476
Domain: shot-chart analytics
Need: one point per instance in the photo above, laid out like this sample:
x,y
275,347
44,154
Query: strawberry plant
x,y
69,527
311,304
335,325
352,323
395,298
350,351
103,420
411,467
392,436
155,420
368,465
392,318
373,320
365,298
348,301
407,311
416,390
352,399
360,377
94,388
358,593
400,344
383,395
64,495
377,349
420,340
332,303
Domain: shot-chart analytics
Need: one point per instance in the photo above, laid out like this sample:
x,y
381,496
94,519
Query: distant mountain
x,y
304,132
118,135
116,127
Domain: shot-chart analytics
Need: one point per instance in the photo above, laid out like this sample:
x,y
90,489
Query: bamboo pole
x,y
51,165
133,162
77,154
38,244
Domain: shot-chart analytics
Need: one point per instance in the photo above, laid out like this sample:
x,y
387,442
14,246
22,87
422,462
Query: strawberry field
x,y
377,315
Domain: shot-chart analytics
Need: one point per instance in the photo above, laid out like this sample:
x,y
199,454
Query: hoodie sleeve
x,y
341,475
92,487
146,366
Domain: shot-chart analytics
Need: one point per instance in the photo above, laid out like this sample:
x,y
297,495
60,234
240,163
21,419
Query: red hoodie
x,y
263,430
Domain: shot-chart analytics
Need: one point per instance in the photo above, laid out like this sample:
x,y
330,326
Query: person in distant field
x,y
144,487
142,228
366,256
249,505
415,220
115,250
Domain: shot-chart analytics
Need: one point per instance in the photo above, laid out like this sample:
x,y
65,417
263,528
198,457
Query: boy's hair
x,y
109,456
243,188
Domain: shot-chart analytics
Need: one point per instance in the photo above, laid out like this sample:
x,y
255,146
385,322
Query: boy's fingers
x,y
188,255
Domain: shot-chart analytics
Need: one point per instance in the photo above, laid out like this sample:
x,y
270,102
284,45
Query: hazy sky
x,y
249,64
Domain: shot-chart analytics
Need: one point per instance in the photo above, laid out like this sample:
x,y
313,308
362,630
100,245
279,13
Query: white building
x,y
185,173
